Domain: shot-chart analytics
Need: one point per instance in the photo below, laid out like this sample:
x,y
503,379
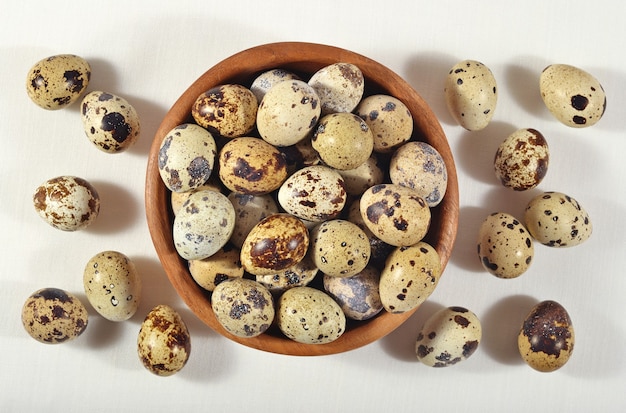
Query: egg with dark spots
x,y
358,295
522,160
343,140
266,80
339,86
380,250
389,119
221,266
299,275
546,338
228,110
339,248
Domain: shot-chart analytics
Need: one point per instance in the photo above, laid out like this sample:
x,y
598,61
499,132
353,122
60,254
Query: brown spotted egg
x,y
222,265
368,174
380,250
358,295
299,275
177,199
110,122
57,81
343,140
471,94
339,248
67,203
448,337
163,342
505,248
264,82
389,119
339,86
557,220
573,96
249,210
228,110
522,159
53,316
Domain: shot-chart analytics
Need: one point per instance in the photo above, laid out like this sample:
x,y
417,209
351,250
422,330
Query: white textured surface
x,y
149,52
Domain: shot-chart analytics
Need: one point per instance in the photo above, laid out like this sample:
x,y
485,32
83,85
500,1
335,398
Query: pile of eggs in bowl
x,y
303,203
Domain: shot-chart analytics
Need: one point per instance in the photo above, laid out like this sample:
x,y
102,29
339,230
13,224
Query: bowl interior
x,y
302,58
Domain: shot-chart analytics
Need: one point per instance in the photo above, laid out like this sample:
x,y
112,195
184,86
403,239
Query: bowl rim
x,y
238,68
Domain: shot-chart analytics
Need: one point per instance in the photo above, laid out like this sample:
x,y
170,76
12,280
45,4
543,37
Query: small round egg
x,y
358,295
573,96
546,338
522,159
557,220
310,316
52,316
366,175
343,140
419,166
299,275
448,337
228,110
389,119
339,248
177,199
163,342
110,122
249,210
68,203
505,248
471,94
222,265
58,81
112,285
264,82
243,307
340,87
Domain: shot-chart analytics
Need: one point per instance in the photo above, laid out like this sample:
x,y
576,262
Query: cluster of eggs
x,y
111,281
301,203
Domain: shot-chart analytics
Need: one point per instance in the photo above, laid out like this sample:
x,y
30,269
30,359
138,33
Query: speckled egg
x,y
522,159
110,122
573,96
288,113
448,337
505,248
300,155
343,140
358,295
546,338
266,80
339,248
359,179
228,110
409,277
310,316
203,225
52,316
471,94
243,307
222,265
340,87
315,193
163,343
299,275
112,285
389,119
380,250
67,203
557,220
395,214
249,210
276,243
252,166
419,166
58,81
177,199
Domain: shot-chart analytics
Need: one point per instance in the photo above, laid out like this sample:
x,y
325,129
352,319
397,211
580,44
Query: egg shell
x,y
288,113
300,155
339,248
409,277
68,203
546,338
448,337
310,316
395,214
186,157
419,166
315,193
339,86
359,179
52,316
163,342
243,307
203,225
505,247
251,166
522,160
222,265
276,243
343,140
227,110
58,81
112,285
573,96
358,295
471,94
110,122
389,119
177,199
249,210
299,275
379,250
266,80
557,220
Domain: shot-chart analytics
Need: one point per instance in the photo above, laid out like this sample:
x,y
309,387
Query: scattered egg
x,y
522,159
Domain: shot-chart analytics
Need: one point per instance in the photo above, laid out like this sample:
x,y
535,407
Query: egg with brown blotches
x,y
389,119
522,159
227,110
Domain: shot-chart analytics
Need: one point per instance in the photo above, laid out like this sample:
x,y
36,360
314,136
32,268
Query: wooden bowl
x,y
302,58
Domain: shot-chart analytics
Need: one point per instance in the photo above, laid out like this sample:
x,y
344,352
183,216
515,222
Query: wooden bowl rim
x,y
240,68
